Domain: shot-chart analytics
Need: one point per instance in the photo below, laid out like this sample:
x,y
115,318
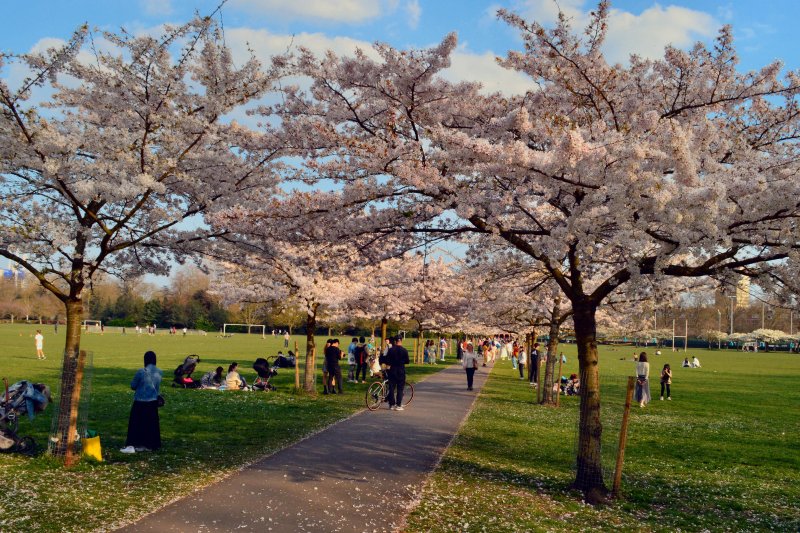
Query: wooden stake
x,y
623,437
296,366
558,378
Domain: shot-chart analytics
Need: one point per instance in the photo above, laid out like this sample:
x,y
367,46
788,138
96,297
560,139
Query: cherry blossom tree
x,y
108,157
602,173
261,265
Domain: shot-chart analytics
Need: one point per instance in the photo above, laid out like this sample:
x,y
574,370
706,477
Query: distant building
x,y
743,292
722,296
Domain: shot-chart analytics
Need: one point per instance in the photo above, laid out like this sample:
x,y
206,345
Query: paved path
x,y
360,475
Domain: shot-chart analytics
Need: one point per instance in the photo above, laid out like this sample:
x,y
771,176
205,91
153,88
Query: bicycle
x,y
377,391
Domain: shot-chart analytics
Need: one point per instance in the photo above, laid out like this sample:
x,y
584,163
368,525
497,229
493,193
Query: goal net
x,y
230,329
92,325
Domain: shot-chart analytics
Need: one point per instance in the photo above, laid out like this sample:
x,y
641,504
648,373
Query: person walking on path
x,y
325,367
442,348
666,381
144,431
533,368
470,364
521,362
642,391
396,359
39,341
332,356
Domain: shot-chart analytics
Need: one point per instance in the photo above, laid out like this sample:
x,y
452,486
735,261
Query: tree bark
x,y
311,360
384,323
589,478
69,397
548,397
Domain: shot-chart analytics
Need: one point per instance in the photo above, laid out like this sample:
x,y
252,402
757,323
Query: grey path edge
x,y
361,474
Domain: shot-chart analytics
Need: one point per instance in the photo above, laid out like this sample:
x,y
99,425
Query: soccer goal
x,y
96,325
241,327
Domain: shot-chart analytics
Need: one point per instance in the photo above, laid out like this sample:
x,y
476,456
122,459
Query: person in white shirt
x,y
695,362
642,391
470,364
523,360
442,348
39,338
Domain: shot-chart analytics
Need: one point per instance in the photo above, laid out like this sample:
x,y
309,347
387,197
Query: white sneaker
x,y
662,398
399,408
393,407
669,398
128,449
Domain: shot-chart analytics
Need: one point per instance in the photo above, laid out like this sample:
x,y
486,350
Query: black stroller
x,y
183,373
265,371
20,398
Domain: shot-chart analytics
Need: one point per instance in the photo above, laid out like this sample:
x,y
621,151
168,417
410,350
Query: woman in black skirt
x,y
144,432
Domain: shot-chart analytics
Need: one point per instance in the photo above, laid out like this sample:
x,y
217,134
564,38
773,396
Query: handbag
x,y
160,401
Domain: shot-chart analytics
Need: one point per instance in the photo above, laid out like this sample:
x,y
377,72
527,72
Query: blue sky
x,y
764,30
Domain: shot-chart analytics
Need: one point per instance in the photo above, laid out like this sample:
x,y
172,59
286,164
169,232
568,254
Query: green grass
x,y
206,434
723,455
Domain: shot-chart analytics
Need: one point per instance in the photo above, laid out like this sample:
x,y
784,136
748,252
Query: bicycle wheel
x,y
374,395
26,446
408,393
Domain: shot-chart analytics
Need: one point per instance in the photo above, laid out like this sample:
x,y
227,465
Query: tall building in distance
x,y
743,292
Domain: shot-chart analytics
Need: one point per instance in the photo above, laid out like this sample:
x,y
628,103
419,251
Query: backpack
x,y
361,354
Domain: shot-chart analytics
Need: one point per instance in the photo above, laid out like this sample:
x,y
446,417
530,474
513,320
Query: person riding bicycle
x,y
397,359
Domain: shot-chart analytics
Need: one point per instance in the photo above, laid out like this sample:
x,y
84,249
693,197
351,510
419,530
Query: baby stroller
x,y
183,373
265,371
20,398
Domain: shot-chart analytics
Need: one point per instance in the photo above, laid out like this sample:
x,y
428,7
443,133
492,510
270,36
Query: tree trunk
x,y
384,323
548,396
589,478
69,397
311,361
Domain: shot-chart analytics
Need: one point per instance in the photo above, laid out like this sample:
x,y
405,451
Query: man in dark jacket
x,y
362,355
533,368
397,359
332,356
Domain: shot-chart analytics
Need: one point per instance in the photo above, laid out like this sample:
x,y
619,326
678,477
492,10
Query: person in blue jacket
x,y
144,431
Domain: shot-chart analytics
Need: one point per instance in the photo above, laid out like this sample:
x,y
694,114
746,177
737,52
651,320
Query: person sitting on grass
x,y
233,381
686,363
212,379
695,362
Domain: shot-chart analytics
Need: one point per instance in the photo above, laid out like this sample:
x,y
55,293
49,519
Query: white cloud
x,y
156,7
645,34
414,12
483,68
465,65
352,11
266,44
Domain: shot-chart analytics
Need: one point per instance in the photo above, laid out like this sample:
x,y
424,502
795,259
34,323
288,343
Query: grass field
x,y
723,455
206,434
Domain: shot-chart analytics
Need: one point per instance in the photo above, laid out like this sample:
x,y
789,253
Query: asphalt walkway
x,y
360,475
